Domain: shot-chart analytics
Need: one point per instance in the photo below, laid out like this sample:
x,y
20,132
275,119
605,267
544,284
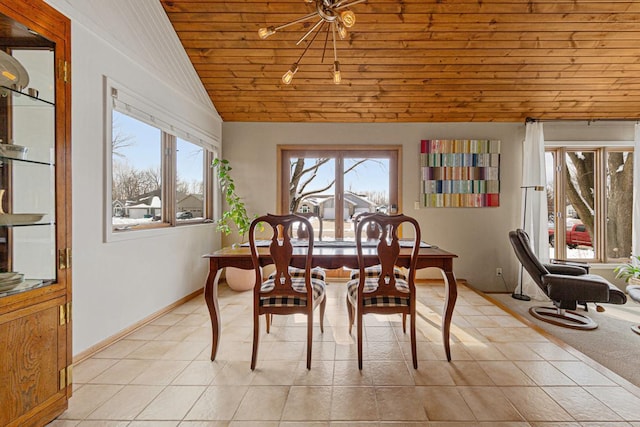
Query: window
x,y
589,203
338,184
158,173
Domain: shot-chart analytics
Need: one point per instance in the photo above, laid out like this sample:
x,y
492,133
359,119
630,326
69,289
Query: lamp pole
x,y
520,295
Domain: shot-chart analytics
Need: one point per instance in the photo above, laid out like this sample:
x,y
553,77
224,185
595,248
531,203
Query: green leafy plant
x,y
629,270
237,212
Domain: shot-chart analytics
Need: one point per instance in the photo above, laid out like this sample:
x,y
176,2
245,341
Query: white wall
x,y
117,284
479,236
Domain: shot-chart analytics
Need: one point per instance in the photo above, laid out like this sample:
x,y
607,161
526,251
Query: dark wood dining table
x,y
328,255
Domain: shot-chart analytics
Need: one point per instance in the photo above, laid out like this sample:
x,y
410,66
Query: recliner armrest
x,y
567,269
587,288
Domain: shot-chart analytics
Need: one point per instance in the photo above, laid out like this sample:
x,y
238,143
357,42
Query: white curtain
x,y
534,218
635,233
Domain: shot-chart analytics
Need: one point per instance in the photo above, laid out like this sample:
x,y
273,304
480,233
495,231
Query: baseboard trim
x,y
77,358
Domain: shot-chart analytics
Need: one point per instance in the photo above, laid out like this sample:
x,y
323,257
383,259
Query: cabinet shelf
x,y
33,162
22,98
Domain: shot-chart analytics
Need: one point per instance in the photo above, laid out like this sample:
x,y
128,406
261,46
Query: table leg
x,y
211,298
449,304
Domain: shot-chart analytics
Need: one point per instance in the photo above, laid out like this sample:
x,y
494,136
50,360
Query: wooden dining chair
x,y
290,289
301,229
380,290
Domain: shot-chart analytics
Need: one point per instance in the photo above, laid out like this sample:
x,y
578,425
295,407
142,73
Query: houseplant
x,y
235,215
629,272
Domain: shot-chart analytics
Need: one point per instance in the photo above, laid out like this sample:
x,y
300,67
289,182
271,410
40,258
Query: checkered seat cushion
x,y
370,285
287,300
316,273
375,270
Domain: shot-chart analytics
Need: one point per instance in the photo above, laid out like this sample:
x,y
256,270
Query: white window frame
x,y
119,98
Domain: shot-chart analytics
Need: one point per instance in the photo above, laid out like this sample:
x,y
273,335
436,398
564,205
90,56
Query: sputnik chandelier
x,y
334,17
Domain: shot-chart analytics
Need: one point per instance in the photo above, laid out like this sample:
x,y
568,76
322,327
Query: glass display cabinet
x,y
35,213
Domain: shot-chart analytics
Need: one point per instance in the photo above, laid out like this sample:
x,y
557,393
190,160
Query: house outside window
x,y
159,174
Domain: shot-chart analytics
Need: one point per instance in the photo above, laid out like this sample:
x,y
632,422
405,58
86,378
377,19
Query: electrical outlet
x,y
499,272
416,205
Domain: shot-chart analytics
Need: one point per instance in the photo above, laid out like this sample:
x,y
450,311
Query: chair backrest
x,y
281,249
522,247
301,229
372,231
388,250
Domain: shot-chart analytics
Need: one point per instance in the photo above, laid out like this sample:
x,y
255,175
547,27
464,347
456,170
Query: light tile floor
x,y
503,373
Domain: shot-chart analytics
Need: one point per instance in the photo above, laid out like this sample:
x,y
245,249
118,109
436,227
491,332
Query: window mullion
x,y
169,177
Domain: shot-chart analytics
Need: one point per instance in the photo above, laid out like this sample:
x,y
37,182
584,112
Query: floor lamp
x,y
520,295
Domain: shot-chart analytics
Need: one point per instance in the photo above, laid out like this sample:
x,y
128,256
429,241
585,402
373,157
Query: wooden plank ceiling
x,y
420,60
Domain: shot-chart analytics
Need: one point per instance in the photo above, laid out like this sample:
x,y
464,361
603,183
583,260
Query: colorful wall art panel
x,y
460,173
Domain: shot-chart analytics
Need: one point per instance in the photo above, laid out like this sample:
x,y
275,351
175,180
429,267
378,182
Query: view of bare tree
x,y
580,194
302,177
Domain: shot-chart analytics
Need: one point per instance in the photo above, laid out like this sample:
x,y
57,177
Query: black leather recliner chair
x,y
565,285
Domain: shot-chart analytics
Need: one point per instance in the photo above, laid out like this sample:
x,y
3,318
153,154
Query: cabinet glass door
x,y
27,165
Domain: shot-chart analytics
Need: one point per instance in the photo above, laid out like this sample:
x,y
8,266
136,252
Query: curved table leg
x,y
449,304
211,297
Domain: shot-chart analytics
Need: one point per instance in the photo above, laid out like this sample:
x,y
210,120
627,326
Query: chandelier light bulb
x,y
348,18
342,31
288,76
337,78
263,33
331,15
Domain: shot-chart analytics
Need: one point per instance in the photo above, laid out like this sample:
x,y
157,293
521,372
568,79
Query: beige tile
x,y
176,333
399,404
235,373
103,423
623,402
172,403
122,372
382,350
63,423
87,399
147,332
505,373
321,373
517,351
582,374
204,424
91,368
536,405
308,403
484,351
120,349
262,403
551,351
544,373
274,373
217,403
354,404
444,404
468,373
127,403
489,404
160,372
199,372
581,405
389,372
153,423
432,372
346,373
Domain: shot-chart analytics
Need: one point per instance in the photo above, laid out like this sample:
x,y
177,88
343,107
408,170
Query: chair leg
x,y
414,352
309,337
268,316
404,323
323,306
360,331
350,309
256,337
